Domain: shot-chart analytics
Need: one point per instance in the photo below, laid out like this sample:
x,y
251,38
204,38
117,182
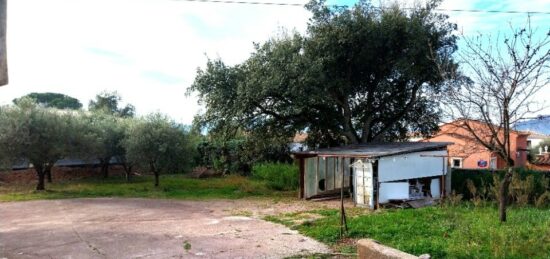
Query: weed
x,y
186,245
452,200
278,176
542,200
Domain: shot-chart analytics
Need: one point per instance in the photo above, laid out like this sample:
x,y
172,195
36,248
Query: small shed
x,y
375,173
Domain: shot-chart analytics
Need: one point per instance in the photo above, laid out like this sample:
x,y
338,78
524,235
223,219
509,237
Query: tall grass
x,y
462,231
277,176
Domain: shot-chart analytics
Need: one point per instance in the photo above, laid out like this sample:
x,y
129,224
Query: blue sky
x,y
149,50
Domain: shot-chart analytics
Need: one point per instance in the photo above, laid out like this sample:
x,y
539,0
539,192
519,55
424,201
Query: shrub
x,y
278,176
527,186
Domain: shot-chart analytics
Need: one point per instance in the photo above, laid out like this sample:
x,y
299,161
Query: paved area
x,y
146,228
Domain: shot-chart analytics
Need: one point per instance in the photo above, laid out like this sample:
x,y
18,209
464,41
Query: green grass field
x,y
460,231
171,187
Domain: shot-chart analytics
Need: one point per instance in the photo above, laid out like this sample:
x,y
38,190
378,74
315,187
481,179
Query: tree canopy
x,y
52,100
108,102
38,134
357,75
158,144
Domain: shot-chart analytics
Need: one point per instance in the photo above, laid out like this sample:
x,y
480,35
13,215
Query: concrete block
x,y
368,248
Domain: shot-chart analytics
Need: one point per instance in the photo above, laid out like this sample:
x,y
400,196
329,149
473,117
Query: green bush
x,y
278,176
527,186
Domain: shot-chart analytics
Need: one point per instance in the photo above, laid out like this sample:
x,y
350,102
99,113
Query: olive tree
x,y
126,124
108,134
40,135
158,144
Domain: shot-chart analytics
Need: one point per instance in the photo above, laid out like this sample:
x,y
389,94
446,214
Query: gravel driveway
x,y
146,228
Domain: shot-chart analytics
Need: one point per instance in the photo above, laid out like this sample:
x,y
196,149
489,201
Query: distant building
x,y
466,152
298,143
542,159
534,139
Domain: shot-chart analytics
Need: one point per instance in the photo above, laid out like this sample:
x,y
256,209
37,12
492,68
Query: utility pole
x,y
3,49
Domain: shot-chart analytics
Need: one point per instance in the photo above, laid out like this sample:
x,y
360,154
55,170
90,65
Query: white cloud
x,y
148,50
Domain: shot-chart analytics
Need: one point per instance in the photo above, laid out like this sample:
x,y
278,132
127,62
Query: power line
x,y
243,2
301,5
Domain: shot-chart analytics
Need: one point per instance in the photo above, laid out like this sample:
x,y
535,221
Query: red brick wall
x,y
466,147
58,174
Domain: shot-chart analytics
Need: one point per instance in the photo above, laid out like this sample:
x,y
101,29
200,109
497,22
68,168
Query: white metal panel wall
x,y
364,186
411,165
393,191
435,188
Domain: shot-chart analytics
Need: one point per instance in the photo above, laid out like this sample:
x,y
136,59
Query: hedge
x,y
482,177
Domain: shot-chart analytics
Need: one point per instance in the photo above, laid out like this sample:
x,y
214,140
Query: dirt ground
x,y
149,228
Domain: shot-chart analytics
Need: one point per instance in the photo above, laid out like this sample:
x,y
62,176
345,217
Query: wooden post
x,y
301,162
343,220
377,194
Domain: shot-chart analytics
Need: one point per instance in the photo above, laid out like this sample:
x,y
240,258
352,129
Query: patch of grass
x,y
462,231
277,176
186,245
171,187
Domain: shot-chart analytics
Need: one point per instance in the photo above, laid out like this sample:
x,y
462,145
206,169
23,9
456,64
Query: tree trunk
x,y
128,170
504,195
105,167
41,177
156,179
48,172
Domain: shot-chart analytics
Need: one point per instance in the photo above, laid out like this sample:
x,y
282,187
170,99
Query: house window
x,y
456,162
528,143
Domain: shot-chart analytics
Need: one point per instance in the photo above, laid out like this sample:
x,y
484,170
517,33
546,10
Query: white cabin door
x,y
364,185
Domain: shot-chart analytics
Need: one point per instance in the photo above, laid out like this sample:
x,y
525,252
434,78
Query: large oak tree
x,y
357,75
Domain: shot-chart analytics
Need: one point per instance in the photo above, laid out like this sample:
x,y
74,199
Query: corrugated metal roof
x,y
376,149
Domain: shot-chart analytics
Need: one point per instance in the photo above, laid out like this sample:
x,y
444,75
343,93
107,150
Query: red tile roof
x,y
543,159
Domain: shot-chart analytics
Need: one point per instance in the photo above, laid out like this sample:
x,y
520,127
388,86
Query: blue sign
x,y
482,163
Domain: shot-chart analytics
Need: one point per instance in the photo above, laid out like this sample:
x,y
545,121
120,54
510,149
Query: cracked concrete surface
x,y
144,228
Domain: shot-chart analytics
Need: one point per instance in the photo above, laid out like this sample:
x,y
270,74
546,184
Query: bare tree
x,y
505,76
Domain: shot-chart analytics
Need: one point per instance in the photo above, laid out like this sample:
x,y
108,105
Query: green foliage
x,y
450,232
186,245
158,144
174,187
41,135
52,100
108,102
237,155
527,186
108,132
349,79
278,176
